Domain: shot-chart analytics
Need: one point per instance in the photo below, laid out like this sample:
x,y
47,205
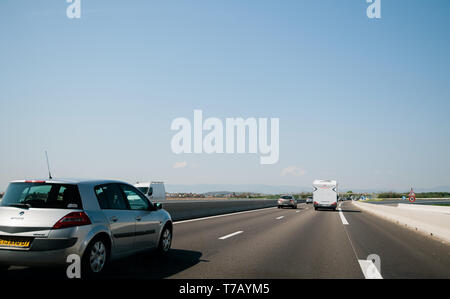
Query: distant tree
x,y
349,192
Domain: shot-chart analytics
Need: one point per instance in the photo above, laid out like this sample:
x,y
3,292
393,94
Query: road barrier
x,y
431,220
186,209
426,208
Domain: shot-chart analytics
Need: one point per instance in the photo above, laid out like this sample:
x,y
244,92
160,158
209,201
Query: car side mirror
x,y
150,191
158,206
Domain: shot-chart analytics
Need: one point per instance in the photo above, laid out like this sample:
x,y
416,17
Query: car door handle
x,y
138,218
114,219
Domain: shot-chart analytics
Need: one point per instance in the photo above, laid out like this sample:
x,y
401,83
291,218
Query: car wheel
x,y
165,241
279,207
95,257
315,208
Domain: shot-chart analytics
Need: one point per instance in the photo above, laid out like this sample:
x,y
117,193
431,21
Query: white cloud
x,y
293,170
180,164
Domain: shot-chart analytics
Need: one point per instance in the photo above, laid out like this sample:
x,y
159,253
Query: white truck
x,y
155,191
325,194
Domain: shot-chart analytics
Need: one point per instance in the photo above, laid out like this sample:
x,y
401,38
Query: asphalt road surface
x,y
283,243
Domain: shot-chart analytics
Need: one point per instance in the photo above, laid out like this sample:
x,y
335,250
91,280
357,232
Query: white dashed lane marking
x,y
230,235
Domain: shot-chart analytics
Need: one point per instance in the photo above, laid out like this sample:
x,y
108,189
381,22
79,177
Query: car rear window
x,y
286,197
110,197
42,195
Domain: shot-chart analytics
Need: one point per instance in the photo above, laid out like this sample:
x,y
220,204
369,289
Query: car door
x,y
147,218
121,219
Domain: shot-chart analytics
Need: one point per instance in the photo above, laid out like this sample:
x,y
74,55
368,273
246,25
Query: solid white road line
x,y
223,215
230,235
278,218
369,270
297,211
344,221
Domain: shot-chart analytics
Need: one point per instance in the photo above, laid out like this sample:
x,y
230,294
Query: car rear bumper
x,y
41,257
326,206
53,250
288,204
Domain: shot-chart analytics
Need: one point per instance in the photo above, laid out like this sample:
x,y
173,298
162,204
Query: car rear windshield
x,y
286,197
42,195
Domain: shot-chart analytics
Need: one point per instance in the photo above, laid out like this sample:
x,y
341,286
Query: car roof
x,y
325,182
72,181
142,184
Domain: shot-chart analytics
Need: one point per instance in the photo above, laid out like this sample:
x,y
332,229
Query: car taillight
x,y
316,203
333,204
72,219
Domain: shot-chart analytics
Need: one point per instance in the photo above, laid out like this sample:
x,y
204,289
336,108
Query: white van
x,y
325,194
154,190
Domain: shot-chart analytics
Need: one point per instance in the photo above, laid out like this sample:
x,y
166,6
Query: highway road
x,y
284,243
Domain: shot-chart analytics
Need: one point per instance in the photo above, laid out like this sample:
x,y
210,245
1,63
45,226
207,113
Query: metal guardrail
x,y
185,209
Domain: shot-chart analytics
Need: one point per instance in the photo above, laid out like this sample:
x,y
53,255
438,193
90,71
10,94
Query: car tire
x,y
315,208
165,241
95,258
279,207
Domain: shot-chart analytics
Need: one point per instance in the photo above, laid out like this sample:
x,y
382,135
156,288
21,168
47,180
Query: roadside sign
x,y
412,196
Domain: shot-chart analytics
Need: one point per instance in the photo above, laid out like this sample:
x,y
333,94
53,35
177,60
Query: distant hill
x,y
213,189
435,189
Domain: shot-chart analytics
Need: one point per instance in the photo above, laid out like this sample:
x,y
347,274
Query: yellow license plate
x,y
15,243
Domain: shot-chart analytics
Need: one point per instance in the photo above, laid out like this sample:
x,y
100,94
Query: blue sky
x,y
363,101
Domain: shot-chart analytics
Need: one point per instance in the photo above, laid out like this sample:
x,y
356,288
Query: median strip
x,y
230,235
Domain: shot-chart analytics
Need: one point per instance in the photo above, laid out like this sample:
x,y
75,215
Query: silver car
x,y
287,201
42,222
309,199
